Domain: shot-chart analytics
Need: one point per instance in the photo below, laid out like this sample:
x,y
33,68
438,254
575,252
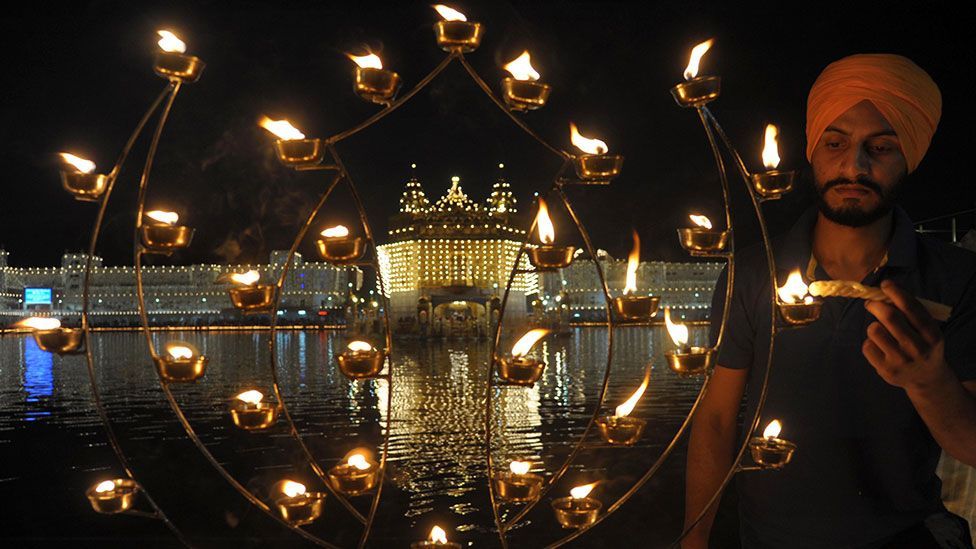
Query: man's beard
x,y
854,216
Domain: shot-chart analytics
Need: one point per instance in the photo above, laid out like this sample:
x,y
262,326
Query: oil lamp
x,y
620,428
454,33
356,475
181,363
702,240
595,166
113,496
161,234
796,306
294,150
171,61
577,510
772,183
373,83
360,360
547,257
520,369
337,247
250,413
686,360
79,178
436,540
696,90
631,306
247,295
522,91
51,337
297,505
517,485
769,451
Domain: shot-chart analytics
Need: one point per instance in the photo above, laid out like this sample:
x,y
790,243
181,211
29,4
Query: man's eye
x,y
833,144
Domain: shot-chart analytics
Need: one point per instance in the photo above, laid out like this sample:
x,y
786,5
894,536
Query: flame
x,y
281,128
585,144
581,492
701,221
177,351
358,461
794,290
520,467
105,486
449,14
247,278
773,429
438,535
628,406
521,68
547,233
292,489
169,218
339,231
251,397
83,165
525,343
697,52
40,323
370,61
359,346
633,261
770,153
678,332
169,42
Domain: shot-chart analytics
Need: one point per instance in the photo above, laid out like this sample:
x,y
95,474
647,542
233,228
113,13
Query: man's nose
x,y
856,163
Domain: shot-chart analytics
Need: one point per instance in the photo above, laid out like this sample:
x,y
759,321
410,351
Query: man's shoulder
x,y
950,270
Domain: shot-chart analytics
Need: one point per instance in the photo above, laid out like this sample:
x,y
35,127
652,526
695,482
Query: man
x,y
870,391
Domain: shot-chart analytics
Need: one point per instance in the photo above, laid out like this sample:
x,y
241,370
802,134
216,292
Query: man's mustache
x,y
863,181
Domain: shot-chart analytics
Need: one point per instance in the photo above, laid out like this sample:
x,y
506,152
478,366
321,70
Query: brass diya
x,y
427,544
253,417
349,480
636,307
181,370
178,66
800,314
517,488
691,361
697,92
113,496
301,509
772,184
87,187
341,250
620,430
356,364
165,239
300,153
771,452
63,341
255,298
521,370
524,95
598,168
376,85
549,258
699,241
460,36
576,512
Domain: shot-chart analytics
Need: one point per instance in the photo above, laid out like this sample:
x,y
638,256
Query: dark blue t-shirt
x,y
865,464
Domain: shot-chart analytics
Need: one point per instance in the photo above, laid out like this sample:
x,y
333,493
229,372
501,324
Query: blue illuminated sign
x,y
37,296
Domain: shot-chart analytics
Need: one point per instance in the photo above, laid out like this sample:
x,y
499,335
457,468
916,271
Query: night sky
x,y
78,78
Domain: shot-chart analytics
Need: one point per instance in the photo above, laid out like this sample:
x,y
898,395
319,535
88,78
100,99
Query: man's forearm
x,y
949,411
709,460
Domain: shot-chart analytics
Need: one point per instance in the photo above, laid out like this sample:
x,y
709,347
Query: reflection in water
x,y
38,379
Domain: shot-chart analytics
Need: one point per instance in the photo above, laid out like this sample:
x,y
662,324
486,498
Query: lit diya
x,y
454,32
686,360
436,540
180,363
772,183
172,61
297,505
79,178
355,475
702,240
294,150
517,484
594,166
113,496
337,247
522,91
161,234
631,306
249,296
696,90
250,413
360,360
520,369
547,257
577,510
373,82
795,304
770,451
50,336
620,428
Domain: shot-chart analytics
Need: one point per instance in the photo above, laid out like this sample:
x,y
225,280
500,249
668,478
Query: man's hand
x,y
905,344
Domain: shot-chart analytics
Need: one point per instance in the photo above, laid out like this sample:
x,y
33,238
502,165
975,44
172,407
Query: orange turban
x,y
904,94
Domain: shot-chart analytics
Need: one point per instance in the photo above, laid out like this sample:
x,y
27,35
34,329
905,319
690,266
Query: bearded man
x,y
872,392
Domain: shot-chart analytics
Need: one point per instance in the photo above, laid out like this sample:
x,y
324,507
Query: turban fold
x,y
905,95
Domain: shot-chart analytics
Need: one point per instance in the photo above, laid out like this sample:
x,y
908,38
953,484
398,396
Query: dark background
x,y
78,76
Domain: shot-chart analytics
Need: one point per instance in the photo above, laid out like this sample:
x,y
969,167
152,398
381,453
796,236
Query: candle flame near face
x,y
547,232
678,332
525,343
437,535
339,231
369,61
359,462
247,278
697,52
773,429
449,14
168,218
281,128
40,323
83,165
359,346
519,467
633,261
585,144
701,221
105,486
795,290
292,489
770,152
628,406
581,492
179,351
251,397
169,42
521,68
